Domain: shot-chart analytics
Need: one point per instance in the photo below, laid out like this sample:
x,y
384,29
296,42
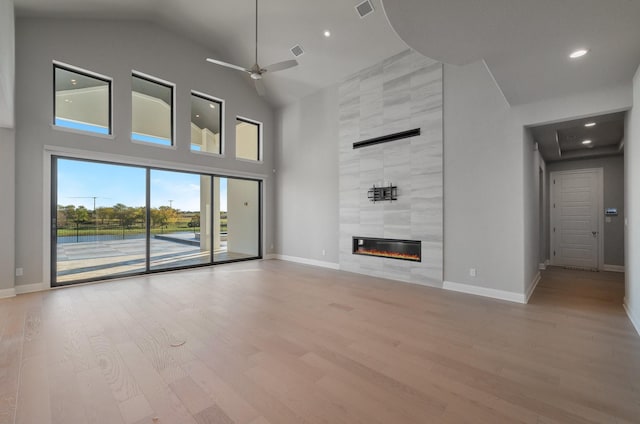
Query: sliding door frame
x,y
51,161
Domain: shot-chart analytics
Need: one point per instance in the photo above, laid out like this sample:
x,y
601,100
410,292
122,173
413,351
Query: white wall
x,y
632,201
7,64
115,48
307,178
7,210
483,184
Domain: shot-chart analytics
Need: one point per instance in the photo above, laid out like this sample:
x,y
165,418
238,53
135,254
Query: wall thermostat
x,y
611,212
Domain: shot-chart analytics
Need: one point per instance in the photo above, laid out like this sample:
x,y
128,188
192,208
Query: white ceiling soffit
x,y
526,43
564,140
226,28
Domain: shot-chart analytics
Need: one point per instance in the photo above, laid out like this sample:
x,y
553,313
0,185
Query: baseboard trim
x,y
270,256
305,261
613,268
5,293
31,288
634,321
486,292
533,286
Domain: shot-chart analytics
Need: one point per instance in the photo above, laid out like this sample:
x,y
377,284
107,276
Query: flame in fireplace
x,y
387,254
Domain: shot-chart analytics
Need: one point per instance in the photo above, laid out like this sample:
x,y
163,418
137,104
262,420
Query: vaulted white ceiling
x,y
226,28
524,42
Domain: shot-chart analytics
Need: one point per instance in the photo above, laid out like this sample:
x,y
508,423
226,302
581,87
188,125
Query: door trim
x,y
599,206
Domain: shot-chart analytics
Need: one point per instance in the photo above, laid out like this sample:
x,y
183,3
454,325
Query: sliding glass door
x,y
111,220
180,215
100,220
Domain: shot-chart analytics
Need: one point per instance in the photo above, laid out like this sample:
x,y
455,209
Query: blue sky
x,y
80,181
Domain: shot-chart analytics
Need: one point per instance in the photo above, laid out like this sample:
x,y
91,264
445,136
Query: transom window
x,y
248,139
206,124
82,100
151,111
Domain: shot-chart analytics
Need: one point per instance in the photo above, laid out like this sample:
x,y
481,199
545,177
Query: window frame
x,y
87,73
51,185
221,103
260,139
168,84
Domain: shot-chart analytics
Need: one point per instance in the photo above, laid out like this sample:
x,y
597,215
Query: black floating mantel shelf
x,y
386,138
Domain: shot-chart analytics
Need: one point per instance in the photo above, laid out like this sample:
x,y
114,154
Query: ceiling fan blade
x,y
280,66
228,65
260,87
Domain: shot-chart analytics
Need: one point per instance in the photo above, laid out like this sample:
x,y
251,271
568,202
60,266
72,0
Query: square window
x,y
151,111
82,100
248,139
206,124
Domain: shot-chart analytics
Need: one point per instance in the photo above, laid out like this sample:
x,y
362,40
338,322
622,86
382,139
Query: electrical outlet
x,y
323,252
19,272
472,272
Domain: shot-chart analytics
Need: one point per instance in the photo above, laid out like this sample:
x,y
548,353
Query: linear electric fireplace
x,y
408,250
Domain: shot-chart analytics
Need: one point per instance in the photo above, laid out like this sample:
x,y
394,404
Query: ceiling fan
x,y
256,71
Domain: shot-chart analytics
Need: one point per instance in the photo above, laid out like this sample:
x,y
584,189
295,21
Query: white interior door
x,y
576,233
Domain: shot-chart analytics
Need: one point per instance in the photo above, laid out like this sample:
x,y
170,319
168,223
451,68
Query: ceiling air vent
x,y
297,50
365,8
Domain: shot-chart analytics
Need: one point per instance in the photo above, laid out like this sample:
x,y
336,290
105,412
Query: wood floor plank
x,y
123,384
271,342
99,404
234,406
64,394
33,396
11,343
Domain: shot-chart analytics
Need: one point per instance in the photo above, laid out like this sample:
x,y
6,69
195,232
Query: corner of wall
x,y
632,207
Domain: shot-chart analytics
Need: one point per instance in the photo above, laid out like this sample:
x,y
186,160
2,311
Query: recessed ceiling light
x,y
578,53
327,33
586,142
212,106
590,124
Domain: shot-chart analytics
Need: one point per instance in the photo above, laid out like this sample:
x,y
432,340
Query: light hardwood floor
x,y
276,342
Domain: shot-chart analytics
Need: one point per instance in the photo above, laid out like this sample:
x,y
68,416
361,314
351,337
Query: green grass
x,y
90,230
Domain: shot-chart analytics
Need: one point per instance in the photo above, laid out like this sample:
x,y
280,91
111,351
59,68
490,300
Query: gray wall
x,y
613,168
7,209
534,195
114,48
307,178
7,64
7,148
483,176
401,93
632,206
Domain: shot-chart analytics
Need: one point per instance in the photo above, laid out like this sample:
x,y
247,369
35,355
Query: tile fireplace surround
x,y
401,93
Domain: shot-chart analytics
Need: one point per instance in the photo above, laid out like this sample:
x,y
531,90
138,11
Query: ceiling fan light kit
x,y
256,71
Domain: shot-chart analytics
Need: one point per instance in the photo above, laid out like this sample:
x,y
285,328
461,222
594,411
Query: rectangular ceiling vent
x,y
365,8
297,50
